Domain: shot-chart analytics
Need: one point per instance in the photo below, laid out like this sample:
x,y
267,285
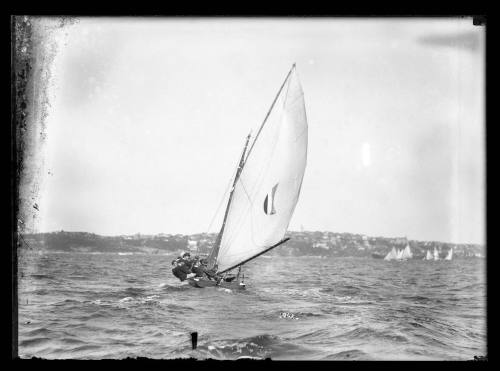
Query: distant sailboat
x,y
407,254
428,256
392,255
436,254
450,254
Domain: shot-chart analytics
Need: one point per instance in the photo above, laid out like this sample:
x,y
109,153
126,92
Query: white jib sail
x,y
268,187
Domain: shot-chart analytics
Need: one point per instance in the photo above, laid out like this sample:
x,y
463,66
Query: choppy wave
x,y
255,347
101,306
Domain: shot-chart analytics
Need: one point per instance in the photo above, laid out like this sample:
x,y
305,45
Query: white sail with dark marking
x,y
268,182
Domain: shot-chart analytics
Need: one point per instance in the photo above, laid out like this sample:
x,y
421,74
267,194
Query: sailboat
x,y
428,256
407,254
392,255
450,254
436,254
265,188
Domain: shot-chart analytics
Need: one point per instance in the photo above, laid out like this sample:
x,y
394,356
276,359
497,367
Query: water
x,y
83,305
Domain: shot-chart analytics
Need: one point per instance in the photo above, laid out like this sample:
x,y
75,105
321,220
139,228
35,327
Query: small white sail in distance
x,y
391,255
407,254
268,187
428,256
450,254
436,254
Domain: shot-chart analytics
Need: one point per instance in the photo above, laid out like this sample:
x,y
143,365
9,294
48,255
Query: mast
x,y
212,258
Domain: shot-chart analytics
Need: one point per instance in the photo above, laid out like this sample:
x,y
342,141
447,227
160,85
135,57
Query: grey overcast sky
x,y
149,115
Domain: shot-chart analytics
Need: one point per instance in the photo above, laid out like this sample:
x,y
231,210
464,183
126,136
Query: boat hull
x,y
202,283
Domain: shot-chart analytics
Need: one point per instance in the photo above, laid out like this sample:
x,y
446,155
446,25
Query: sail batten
x,y
266,192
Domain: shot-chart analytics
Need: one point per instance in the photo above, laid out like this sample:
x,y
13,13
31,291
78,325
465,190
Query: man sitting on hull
x,y
200,268
185,267
181,270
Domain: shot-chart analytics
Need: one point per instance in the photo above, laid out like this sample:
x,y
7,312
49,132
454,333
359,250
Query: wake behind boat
x,y
265,189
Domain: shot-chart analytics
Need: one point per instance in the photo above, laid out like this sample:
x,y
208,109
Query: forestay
x,y
267,190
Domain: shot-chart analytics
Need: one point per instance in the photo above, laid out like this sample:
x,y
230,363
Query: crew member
x,y
201,269
181,270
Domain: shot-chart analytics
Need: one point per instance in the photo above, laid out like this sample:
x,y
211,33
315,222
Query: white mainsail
x,y
268,187
428,256
436,254
391,255
450,254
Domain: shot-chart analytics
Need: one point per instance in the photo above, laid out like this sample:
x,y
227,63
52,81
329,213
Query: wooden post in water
x,y
194,339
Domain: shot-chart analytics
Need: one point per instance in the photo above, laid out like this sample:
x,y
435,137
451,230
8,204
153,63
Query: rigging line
x,y
221,201
269,112
215,249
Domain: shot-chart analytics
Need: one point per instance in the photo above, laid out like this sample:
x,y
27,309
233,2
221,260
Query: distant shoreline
x,y
300,244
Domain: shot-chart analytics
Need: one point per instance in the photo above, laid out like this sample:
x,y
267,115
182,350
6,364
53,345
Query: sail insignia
x,y
266,201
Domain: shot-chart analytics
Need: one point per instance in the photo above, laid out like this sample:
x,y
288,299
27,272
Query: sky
x,y
148,117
